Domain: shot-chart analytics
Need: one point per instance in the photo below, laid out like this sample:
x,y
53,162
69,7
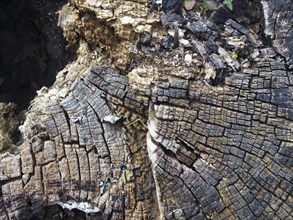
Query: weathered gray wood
x,y
278,27
189,146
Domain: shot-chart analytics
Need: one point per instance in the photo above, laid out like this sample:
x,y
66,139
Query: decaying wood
x,y
160,139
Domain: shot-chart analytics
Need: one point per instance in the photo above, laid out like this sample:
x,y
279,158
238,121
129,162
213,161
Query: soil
x,y
32,48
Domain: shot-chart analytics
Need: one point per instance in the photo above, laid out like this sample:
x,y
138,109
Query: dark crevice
x,y
79,173
42,180
56,212
176,156
67,120
32,48
186,154
73,142
219,79
3,182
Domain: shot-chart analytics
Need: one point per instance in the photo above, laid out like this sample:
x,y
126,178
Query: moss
x,y
233,54
8,124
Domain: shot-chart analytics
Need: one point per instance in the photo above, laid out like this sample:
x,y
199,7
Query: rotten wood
x,y
184,150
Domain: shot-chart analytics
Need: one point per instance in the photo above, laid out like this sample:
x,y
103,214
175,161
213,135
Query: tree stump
x,y
167,114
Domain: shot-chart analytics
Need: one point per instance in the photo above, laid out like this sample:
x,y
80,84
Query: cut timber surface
x,y
157,141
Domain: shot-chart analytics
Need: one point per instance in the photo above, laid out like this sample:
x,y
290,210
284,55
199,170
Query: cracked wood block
x,y
278,27
162,139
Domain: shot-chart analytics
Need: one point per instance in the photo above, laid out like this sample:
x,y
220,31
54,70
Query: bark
x,y
133,131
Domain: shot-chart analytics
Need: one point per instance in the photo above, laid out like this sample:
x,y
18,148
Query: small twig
x,y
140,120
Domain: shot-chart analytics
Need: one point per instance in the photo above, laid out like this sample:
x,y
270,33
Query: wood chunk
x,y
251,38
84,173
27,163
278,27
73,165
10,166
65,176
51,180
204,28
49,151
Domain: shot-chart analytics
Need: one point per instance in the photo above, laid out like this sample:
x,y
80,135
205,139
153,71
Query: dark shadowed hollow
x,y
32,48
